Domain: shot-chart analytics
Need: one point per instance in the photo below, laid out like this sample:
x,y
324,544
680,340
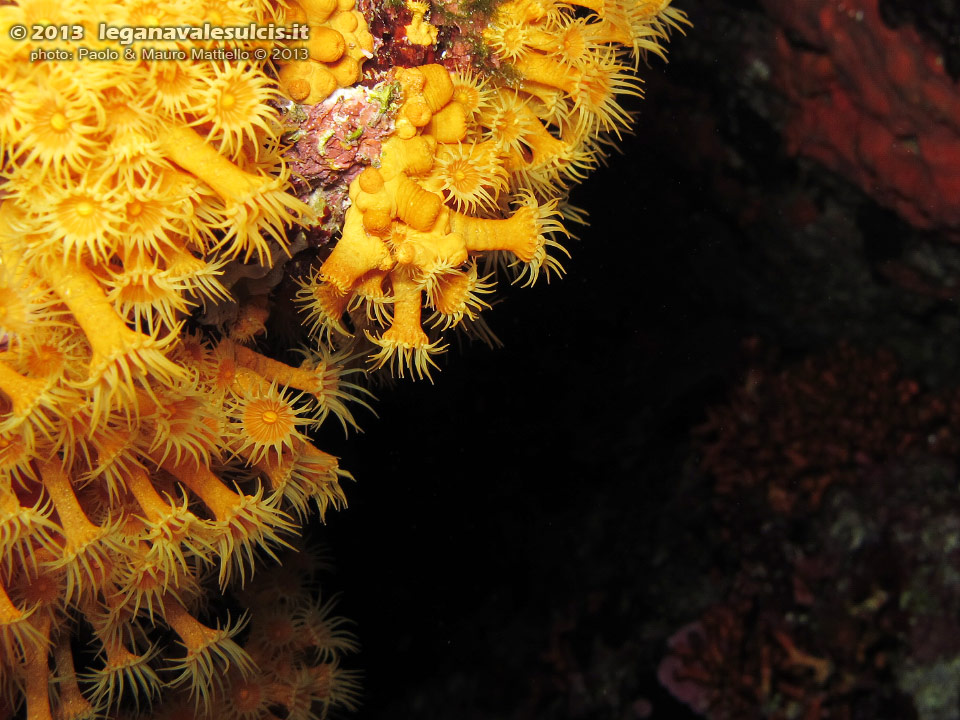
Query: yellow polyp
x,y
412,156
609,31
338,44
526,11
255,204
347,22
547,71
246,382
448,125
453,293
412,81
546,42
248,698
354,255
76,526
146,495
72,703
406,330
377,218
120,661
115,346
318,457
193,633
220,499
318,11
22,391
405,253
301,475
516,234
419,31
326,45
117,654
36,673
266,423
370,180
649,9
307,82
541,142
369,292
191,151
346,71
438,87
250,322
278,372
426,250
324,305
415,206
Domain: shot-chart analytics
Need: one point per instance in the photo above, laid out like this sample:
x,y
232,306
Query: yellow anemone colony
x,y
145,461
475,178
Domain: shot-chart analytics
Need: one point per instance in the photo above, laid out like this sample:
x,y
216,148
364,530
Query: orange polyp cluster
x,y
572,74
141,466
155,521
339,43
404,247
134,469
477,174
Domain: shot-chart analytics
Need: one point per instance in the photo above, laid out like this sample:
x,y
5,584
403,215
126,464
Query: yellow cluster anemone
x,y
297,645
409,241
120,520
476,175
141,465
573,71
333,55
147,461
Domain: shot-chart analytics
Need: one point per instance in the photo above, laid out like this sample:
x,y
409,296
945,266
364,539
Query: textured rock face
x,y
872,103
